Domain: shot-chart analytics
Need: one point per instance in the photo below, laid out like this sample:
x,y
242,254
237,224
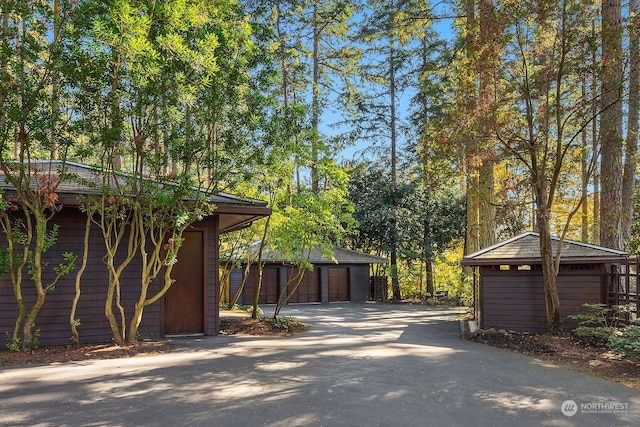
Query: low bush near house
x,y
626,341
598,322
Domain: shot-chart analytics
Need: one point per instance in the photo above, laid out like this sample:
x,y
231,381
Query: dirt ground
x,y
46,355
243,326
569,351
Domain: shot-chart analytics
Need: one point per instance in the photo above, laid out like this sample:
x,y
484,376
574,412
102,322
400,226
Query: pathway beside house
x,y
359,364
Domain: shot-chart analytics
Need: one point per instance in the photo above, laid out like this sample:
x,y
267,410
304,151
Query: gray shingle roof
x,y
340,256
525,249
85,179
78,179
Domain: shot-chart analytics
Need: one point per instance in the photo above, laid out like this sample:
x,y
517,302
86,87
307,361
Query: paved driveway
x,y
359,365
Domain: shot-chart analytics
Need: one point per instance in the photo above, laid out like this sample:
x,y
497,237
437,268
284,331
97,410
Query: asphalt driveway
x,y
358,365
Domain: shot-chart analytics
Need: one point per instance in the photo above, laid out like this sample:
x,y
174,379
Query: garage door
x,y
268,290
184,301
339,284
309,289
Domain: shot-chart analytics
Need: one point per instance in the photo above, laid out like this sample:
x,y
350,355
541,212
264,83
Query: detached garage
x,y
190,305
345,278
509,289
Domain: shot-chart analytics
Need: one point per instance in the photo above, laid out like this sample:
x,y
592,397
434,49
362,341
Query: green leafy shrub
x,y
626,341
598,322
433,301
286,322
16,345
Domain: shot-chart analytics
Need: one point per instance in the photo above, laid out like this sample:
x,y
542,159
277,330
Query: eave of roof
x,y
524,249
238,212
340,256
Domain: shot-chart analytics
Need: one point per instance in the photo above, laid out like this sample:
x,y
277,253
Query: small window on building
x,y
524,268
575,267
505,267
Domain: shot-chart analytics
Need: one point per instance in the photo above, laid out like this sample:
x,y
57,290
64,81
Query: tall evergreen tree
x,y
611,138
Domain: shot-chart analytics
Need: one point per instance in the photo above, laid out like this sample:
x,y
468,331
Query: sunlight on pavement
x,y
512,403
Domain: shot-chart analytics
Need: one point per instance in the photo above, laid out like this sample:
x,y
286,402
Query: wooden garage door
x,y
339,284
184,301
268,290
309,289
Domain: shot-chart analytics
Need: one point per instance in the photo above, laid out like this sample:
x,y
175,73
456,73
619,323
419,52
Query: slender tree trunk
x,y
395,281
55,96
584,175
73,322
315,102
263,242
549,274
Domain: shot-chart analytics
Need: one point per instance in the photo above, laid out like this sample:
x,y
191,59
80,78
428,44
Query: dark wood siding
x,y
514,300
53,319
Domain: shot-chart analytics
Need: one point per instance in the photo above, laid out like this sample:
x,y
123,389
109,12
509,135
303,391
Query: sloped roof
x,y
340,256
80,179
525,249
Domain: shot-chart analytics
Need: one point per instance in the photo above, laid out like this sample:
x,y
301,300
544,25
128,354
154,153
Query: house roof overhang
x,y
525,250
234,212
234,218
338,256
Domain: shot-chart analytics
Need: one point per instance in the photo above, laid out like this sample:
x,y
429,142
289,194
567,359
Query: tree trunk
x,y
429,271
395,282
487,210
486,72
549,271
549,277
631,148
594,140
472,238
73,322
315,101
584,177
611,126
55,85
256,295
284,299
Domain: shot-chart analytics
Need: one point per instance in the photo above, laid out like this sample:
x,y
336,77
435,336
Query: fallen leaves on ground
x,y
58,354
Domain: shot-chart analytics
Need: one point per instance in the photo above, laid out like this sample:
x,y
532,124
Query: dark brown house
x,y
343,278
509,289
191,304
